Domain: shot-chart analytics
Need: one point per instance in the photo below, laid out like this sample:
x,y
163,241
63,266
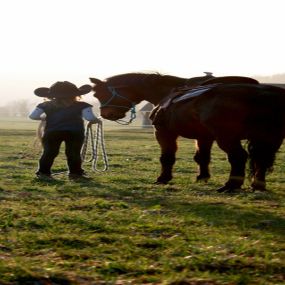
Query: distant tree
x,y
22,107
4,112
17,108
275,78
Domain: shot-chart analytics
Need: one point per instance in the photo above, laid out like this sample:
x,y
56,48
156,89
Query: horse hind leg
x,y
237,158
168,146
262,157
203,157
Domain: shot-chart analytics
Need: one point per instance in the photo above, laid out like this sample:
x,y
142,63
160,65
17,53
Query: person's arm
x,y
37,114
88,115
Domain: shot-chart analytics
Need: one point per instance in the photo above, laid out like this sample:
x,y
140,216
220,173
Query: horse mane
x,y
141,79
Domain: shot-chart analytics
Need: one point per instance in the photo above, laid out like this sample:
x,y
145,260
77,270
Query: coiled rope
x,y
94,143
39,135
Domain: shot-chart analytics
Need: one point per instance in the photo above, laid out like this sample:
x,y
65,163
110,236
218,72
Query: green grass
x,y
120,228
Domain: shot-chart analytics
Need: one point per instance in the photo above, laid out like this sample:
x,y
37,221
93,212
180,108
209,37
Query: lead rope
x,y
96,142
37,144
132,117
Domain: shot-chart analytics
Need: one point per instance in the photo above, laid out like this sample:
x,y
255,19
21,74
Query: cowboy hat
x,y
62,89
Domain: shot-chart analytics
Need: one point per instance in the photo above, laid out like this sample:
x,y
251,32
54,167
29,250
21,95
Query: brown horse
x,y
154,87
119,94
227,113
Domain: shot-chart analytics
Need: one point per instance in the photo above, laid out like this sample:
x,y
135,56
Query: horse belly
x,y
185,124
228,121
193,131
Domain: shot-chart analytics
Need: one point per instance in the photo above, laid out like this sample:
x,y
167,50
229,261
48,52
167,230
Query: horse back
x,y
242,108
230,80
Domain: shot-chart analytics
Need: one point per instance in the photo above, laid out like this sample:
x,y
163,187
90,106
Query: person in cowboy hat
x,y
64,116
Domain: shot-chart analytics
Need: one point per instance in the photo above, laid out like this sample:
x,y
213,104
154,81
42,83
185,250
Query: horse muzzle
x,y
111,114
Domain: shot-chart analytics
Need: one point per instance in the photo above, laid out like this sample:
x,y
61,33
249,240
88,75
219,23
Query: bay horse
x,y
152,87
117,95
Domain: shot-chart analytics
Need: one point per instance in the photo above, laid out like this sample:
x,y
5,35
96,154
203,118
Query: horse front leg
x,y
203,157
168,146
237,158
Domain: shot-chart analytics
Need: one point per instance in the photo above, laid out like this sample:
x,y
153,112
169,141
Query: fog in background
x,y
47,41
12,107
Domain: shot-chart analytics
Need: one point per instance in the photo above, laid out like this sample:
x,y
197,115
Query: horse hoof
x,y
222,189
258,186
202,178
255,188
227,189
157,182
163,179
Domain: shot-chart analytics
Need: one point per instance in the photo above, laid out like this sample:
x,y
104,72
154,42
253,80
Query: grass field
x,y
120,228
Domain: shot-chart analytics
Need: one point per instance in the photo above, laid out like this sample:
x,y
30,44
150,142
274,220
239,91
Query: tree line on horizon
x,y
22,107
275,78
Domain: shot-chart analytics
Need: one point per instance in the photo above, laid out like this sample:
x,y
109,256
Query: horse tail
x,y
262,153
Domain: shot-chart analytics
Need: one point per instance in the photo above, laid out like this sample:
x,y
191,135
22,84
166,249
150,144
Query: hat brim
x,y
42,92
45,92
84,89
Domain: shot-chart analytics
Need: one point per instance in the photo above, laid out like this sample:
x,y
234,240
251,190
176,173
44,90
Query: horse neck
x,y
150,96
154,94
150,87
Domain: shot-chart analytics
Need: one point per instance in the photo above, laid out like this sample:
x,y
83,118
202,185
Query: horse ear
x,y
95,80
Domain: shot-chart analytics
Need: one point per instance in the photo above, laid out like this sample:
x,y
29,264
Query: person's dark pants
x,y
51,144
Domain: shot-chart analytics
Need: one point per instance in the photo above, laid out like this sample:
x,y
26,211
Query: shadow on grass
x,y
218,212
30,280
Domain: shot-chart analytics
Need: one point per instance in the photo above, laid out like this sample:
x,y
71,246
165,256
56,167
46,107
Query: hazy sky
x,y
44,41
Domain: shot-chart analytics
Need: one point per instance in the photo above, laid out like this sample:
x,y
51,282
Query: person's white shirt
x,y
87,114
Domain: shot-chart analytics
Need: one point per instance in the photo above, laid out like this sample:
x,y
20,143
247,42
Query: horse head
x,y
115,101
120,93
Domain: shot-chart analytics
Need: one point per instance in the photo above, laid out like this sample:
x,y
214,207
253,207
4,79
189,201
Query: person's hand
x,y
98,121
89,124
43,117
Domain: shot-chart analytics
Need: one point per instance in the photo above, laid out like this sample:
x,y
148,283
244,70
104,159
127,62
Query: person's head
x,y
63,90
